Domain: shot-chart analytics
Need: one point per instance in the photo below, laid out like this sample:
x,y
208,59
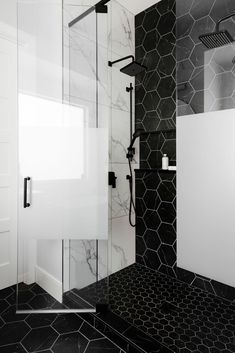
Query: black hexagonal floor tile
x,y
89,332
13,332
39,339
70,343
13,348
67,323
40,320
10,315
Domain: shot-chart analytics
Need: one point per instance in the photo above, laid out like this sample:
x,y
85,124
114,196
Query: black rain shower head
x,y
218,38
132,69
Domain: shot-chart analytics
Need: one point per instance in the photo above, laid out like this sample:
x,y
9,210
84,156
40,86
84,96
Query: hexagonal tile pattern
x,y
47,333
182,317
158,105
157,219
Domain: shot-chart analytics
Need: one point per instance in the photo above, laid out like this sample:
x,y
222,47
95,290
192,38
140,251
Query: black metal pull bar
x,y
112,180
26,204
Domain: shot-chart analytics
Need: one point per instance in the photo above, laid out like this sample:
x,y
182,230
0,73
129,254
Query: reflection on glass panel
x,y
205,57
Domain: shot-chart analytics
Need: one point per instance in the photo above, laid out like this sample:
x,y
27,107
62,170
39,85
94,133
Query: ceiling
x,y
137,6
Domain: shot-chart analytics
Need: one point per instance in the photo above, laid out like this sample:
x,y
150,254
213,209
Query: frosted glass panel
x,y
68,165
206,194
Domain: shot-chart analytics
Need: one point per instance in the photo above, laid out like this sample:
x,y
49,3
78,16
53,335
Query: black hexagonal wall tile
x,y
167,254
150,40
140,93
152,240
166,108
140,246
167,233
169,147
151,60
140,226
151,81
166,87
151,219
140,112
140,54
151,199
151,101
151,121
152,259
139,35
150,20
166,23
166,65
166,191
151,181
140,207
139,19
166,44
155,158
166,212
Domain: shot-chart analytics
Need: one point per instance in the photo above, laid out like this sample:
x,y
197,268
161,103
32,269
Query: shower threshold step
x,y
126,336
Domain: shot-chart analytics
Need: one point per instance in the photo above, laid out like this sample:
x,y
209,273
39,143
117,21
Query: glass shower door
x,y
63,164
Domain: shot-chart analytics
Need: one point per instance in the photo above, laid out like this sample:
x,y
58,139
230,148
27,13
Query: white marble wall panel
x,y
123,33
122,43
114,111
123,244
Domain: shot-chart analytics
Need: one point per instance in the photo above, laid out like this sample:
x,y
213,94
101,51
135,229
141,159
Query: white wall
x,y
206,194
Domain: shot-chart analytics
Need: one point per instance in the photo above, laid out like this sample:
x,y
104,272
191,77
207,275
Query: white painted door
x,y
8,143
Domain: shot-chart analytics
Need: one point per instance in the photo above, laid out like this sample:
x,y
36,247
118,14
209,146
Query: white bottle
x,y
165,162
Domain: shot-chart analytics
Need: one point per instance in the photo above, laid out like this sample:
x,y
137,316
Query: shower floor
x,y
181,317
150,311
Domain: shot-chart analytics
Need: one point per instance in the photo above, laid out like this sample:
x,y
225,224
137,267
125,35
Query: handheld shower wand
x,y
130,155
130,149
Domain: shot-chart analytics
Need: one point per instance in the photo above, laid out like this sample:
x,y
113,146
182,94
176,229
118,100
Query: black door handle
x,y
112,180
26,204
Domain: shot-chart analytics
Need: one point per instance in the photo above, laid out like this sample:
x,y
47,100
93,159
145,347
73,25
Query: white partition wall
x,y
206,194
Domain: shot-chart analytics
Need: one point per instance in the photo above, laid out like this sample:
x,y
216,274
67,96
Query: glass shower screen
x,y
63,159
